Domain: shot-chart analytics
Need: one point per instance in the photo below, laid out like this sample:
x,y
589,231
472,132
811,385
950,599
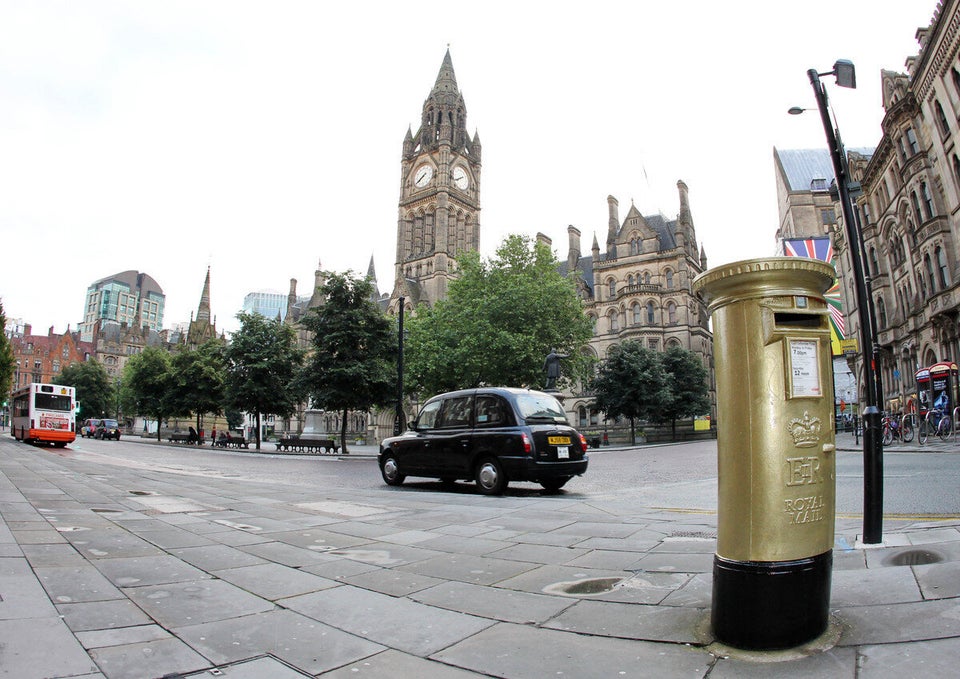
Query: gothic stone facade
x,y
639,288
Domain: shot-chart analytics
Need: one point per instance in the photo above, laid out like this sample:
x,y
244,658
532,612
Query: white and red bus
x,y
44,413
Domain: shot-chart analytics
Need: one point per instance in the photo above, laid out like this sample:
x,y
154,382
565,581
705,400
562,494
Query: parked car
x,y
490,435
89,428
108,429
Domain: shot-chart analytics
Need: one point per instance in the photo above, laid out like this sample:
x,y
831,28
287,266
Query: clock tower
x,y
439,210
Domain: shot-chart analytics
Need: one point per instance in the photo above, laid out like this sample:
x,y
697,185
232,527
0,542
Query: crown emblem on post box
x,y
805,431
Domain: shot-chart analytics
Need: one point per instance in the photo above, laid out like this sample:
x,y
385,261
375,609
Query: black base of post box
x,y
768,605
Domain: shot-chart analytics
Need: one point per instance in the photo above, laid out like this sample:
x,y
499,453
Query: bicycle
x,y
897,427
936,422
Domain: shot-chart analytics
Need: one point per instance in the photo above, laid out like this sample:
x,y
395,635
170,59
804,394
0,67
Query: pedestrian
x,y
213,438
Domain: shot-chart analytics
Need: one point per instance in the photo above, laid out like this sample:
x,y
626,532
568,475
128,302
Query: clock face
x,y
460,178
423,175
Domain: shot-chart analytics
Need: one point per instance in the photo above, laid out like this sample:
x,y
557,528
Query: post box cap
x,y
764,277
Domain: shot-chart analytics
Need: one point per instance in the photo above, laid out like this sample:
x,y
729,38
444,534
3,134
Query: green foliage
x,y
689,394
146,385
97,396
632,382
639,383
262,360
500,320
6,358
198,378
353,362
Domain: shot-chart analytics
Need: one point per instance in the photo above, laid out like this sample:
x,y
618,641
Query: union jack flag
x,y
821,248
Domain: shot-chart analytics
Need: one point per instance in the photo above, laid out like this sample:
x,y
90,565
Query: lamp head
x,y
846,73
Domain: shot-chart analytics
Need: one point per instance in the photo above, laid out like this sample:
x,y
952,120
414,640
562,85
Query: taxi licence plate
x,y
563,453
558,440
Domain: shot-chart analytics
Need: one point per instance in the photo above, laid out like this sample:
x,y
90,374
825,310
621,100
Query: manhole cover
x,y
913,557
585,587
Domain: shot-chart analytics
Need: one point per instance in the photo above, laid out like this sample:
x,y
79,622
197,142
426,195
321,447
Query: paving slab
x,y
835,663
680,625
70,584
935,658
399,623
258,668
158,658
524,652
876,586
493,602
21,595
274,581
25,650
895,623
216,557
189,603
469,568
139,571
392,663
306,644
100,615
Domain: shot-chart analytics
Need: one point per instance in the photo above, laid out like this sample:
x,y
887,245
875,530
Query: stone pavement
x,y
125,572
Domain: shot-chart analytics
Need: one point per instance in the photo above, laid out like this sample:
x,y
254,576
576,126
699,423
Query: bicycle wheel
x,y
944,428
906,431
922,432
887,436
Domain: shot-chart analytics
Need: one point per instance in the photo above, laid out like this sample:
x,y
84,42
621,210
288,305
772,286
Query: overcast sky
x,y
261,138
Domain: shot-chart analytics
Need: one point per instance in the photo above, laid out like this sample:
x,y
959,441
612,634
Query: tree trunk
x,y
673,429
257,435
343,433
159,438
633,432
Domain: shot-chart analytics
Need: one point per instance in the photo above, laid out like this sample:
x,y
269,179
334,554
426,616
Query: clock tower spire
x,y
439,209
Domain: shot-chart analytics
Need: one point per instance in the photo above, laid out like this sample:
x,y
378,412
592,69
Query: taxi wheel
x,y
555,484
490,477
390,470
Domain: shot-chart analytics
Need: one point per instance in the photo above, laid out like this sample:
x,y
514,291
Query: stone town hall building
x,y
638,286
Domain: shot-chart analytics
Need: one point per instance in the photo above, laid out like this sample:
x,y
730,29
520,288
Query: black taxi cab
x,y
489,435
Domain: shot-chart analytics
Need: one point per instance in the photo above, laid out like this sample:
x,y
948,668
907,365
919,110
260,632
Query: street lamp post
x,y
398,419
845,75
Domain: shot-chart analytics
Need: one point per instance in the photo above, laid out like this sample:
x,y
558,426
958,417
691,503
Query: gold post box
x,y
775,447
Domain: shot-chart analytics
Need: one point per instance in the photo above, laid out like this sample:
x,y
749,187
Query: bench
x,y
231,442
185,438
296,444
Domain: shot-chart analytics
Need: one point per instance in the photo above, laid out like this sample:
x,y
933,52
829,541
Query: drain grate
x,y
703,535
913,557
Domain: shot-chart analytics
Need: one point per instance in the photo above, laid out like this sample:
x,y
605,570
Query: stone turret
x,y
573,252
613,225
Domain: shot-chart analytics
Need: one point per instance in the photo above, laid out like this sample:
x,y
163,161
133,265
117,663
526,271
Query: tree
x,y
97,396
632,383
147,382
689,395
500,320
6,358
198,380
353,363
262,360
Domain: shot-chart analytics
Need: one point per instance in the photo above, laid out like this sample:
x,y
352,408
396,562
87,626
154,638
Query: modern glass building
x,y
128,297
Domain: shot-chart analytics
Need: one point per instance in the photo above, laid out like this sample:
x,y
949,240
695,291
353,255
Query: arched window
x,y
942,267
923,284
912,141
928,267
630,280
956,165
650,318
916,206
646,278
927,199
637,314
582,416
874,266
614,319
941,119
882,312
671,313
669,279
612,283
